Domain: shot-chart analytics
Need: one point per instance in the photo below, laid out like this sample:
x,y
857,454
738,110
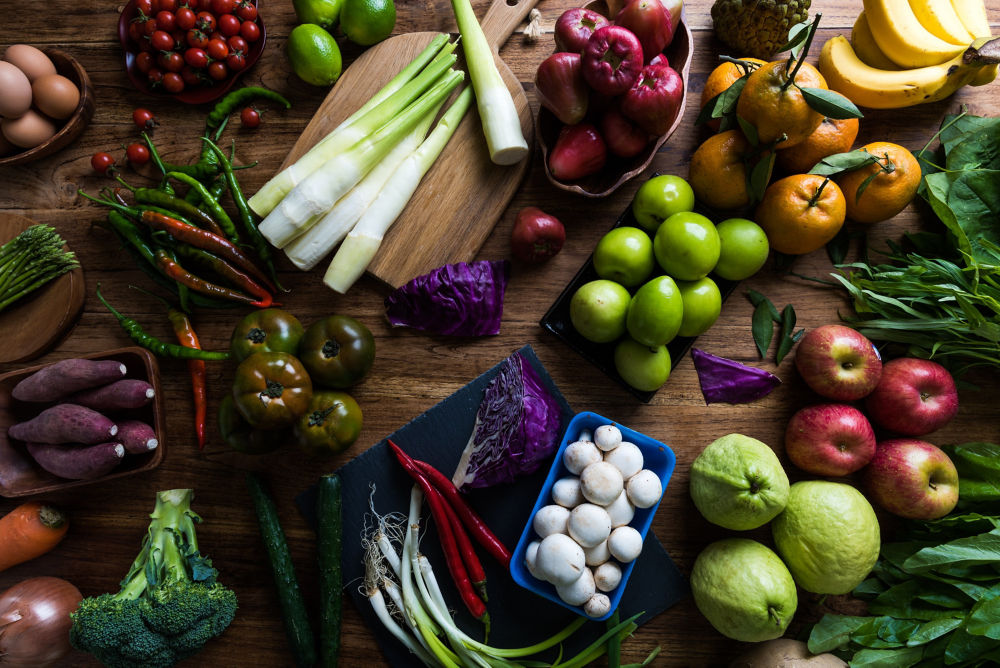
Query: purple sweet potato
x,y
137,437
66,377
77,462
120,395
65,423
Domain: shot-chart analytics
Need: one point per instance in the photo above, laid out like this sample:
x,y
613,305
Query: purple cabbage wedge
x,y
463,299
517,428
726,381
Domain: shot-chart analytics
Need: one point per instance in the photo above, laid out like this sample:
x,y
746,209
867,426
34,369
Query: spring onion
x,y
312,198
361,244
30,260
501,124
405,87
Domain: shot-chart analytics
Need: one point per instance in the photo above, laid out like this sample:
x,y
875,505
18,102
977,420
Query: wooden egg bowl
x,y
70,68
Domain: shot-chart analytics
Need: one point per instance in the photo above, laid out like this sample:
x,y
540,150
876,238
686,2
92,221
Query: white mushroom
x,y
531,559
644,489
589,525
607,576
607,437
620,510
585,435
579,592
560,560
566,492
625,544
598,606
627,458
578,455
549,520
597,555
601,483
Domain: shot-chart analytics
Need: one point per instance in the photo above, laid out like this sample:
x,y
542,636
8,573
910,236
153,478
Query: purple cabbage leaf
x,y
726,381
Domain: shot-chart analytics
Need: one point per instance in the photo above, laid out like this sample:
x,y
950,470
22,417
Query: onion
x,y
35,622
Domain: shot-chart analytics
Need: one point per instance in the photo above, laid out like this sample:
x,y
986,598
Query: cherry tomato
x,y
161,41
249,117
144,119
229,25
237,44
196,57
250,31
206,22
166,5
236,62
143,61
137,154
102,162
144,7
197,39
185,18
190,4
154,76
179,37
166,21
218,70
170,61
191,76
149,26
217,49
216,35
145,46
172,82
135,32
220,7
246,11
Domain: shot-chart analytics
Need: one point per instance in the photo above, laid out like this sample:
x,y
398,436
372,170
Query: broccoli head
x,y
169,604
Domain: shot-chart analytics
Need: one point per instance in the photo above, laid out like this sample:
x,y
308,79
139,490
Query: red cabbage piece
x,y
726,381
464,299
517,428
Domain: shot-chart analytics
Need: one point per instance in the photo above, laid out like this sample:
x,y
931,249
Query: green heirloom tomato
x,y
338,351
269,330
241,436
330,425
271,390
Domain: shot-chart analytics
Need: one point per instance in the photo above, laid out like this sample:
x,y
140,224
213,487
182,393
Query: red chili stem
x,y
199,392
182,276
473,566
469,518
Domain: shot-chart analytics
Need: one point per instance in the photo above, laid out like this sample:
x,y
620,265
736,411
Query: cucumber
x,y
328,547
293,606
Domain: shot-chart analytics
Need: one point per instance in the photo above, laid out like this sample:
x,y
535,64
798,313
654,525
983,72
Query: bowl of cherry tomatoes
x,y
192,50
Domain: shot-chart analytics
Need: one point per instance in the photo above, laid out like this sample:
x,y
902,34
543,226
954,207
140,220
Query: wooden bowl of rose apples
x,y
612,93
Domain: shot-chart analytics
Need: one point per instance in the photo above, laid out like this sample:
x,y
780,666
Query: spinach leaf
x,y
981,549
933,630
963,646
887,658
833,631
984,620
978,467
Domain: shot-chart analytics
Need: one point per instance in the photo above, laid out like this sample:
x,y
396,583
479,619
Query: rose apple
x,y
674,8
612,60
912,478
838,362
536,236
914,397
660,59
650,21
579,151
623,137
575,26
829,439
561,88
654,99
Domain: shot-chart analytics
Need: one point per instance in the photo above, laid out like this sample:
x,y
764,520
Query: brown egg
x,y
15,91
29,130
29,60
55,95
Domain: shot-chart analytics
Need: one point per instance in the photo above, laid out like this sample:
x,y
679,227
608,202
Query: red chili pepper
x,y
178,273
230,273
187,336
473,566
469,518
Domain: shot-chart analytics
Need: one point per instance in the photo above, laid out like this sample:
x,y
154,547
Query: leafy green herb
x,y
765,315
788,334
763,327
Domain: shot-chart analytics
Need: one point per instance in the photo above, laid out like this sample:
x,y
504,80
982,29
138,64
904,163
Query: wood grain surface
x,y
412,371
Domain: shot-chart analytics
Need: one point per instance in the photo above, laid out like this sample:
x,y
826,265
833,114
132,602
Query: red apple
x,y
575,26
654,99
912,478
536,236
561,88
579,151
829,439
914,397
623,137
649,20
838,362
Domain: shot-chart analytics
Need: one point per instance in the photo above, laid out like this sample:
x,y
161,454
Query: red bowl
x,y
198,95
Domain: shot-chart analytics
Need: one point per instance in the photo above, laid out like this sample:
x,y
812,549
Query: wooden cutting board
x,y
464,194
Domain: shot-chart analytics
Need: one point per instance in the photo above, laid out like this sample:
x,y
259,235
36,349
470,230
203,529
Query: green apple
x,y
744,249
597,310
624,255
702,303
687,246
643,367
659,198
656,312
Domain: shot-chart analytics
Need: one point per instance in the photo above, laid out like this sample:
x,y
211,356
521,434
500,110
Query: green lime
x,y
366,22
323,13
314,54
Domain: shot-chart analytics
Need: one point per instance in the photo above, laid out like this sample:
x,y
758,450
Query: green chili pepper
x,y
172,205
239,98
214,209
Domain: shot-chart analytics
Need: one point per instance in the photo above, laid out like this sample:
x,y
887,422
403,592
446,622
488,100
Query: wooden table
x,y
412,371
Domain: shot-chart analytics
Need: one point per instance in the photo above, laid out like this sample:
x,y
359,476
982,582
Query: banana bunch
x,y
907,52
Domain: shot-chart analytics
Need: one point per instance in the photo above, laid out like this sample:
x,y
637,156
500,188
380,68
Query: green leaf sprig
x,y
764,318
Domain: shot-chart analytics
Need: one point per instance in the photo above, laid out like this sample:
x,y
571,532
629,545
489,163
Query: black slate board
x,y
519,617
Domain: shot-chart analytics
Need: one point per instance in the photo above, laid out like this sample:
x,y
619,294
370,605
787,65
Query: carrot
x,y
29,531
